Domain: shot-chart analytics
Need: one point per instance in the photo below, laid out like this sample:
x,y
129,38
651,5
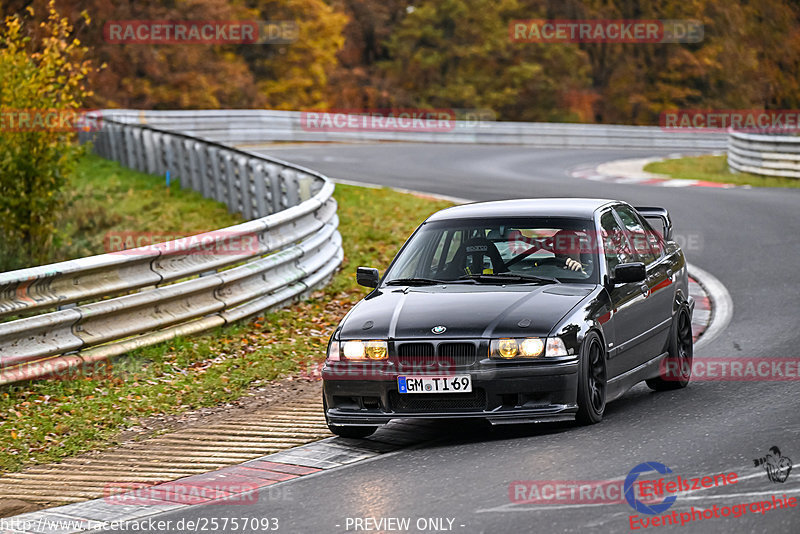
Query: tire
x,y
681,350
591,381
347,431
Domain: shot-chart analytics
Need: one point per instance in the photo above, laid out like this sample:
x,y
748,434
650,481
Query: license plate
x,y
434,384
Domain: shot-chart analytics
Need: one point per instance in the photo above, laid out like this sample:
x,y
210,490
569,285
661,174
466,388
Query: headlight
x,y
365,350
529,347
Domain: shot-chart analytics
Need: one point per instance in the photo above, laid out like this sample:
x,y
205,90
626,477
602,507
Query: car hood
x,y
465,311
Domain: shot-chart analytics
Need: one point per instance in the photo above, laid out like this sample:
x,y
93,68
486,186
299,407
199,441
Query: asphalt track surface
x,y
748,238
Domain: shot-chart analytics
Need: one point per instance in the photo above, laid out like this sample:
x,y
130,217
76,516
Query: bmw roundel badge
x,y
438,329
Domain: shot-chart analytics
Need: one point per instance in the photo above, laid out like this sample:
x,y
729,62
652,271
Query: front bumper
x,y
530,392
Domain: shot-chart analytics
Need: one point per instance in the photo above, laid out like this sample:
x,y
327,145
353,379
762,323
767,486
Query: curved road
x,y
748,238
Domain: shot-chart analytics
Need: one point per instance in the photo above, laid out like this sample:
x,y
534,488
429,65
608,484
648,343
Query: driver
x,y
567,248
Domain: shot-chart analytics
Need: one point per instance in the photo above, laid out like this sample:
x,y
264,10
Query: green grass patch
x,y
104,197
715,169
52,419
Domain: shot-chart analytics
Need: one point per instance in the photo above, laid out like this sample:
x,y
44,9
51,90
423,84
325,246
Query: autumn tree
x,y
753,54
203,76
748,58
42,74
295,75
168,76
458,53
358,82
447,53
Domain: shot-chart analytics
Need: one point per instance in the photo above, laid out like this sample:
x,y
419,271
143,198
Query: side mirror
x,y
367,277
625,273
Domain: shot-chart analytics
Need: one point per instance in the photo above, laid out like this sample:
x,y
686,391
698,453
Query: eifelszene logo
x,y
777,467
630,495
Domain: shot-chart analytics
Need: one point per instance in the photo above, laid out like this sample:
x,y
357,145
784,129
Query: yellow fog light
x,y
531,347
507,348
377,350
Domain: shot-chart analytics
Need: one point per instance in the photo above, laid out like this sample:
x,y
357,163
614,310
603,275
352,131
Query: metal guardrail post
x,y
234,204
110,149
217,185
256,169
245,186
128,138
274,196
195,177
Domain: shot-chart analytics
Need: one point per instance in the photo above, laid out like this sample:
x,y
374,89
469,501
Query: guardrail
x,y
259,126
112,303
767,155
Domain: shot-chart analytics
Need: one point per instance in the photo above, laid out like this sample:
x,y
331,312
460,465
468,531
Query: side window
x,y
615,244
637,234
655,243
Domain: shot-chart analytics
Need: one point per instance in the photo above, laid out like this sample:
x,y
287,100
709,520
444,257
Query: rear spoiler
x,y
657,213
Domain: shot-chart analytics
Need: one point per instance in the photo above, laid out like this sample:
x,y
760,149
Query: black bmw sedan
x,y
514,311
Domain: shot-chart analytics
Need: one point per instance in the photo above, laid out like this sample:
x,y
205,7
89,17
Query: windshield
x,y
538,248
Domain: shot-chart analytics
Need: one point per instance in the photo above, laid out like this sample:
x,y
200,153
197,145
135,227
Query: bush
x,y
42,70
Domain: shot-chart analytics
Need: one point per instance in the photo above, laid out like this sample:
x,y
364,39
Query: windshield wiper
x,y
417,282
510,277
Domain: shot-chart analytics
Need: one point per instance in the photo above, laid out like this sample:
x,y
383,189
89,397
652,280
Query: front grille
x,y
416,358
457,354
415,350
423,402
426,357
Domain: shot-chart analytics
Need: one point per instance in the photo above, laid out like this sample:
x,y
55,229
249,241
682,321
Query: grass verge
x,y
104,197
715,169
54,419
